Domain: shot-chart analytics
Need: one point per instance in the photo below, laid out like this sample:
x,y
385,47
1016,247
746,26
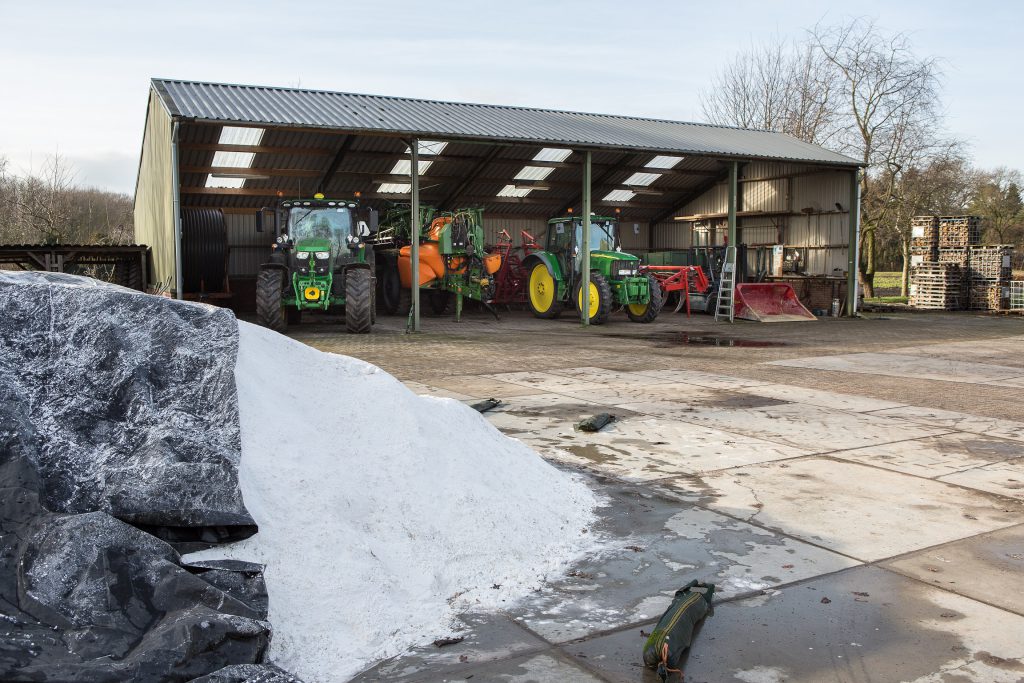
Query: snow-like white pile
x,y
383,513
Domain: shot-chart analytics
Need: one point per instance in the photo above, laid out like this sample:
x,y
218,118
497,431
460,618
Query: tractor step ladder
x,y
726,306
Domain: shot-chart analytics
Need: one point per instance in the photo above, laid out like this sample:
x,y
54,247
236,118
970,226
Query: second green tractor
x,y
554,280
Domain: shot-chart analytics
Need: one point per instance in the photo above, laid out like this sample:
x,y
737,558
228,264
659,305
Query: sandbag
x,y
595,423
673,634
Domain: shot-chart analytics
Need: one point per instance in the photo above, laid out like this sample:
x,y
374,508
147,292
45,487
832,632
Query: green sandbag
x,y
485,405
671,638
595,423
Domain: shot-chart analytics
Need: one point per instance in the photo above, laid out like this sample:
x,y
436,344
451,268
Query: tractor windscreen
x,y
602,236
333,223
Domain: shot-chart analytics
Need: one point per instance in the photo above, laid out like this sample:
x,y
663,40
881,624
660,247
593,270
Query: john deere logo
x,y
312,293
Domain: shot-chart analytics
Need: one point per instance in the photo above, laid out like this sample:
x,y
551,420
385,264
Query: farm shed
x,y
676,187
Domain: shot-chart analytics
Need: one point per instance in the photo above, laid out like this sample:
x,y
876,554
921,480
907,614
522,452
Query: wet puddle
x,y
707,340
673,339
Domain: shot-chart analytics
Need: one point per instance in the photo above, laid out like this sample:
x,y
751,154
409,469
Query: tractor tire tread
x,y
358,300
604,298
269,300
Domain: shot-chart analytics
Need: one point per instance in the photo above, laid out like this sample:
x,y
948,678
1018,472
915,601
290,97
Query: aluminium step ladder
x,y
725,307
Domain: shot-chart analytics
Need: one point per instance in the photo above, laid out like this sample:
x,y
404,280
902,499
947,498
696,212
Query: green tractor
x,y
553,277
321,260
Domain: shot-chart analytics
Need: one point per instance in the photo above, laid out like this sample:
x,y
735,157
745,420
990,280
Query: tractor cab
x,y
327,232
565,236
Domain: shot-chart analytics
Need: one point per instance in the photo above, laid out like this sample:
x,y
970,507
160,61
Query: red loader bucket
x,y
769,302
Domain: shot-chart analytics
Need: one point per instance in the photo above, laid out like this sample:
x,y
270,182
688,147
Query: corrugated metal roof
x,y
456,120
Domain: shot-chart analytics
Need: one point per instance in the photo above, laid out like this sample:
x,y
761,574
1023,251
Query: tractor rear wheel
x,y
404,302
270,300
389,288
542,292
358,300
645,313
600,299
711,303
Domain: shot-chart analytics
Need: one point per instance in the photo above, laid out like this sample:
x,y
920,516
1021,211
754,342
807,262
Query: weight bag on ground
x,y
671,638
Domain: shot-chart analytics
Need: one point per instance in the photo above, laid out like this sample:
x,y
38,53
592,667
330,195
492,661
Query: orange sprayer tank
x,y
431,265
436,226
492,262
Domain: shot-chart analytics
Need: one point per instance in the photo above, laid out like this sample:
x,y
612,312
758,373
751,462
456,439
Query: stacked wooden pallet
x,y
959,231
924,239
950,270
936,286
988,277
958,257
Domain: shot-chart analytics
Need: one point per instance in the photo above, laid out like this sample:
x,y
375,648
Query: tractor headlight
x,y
302,255
323,255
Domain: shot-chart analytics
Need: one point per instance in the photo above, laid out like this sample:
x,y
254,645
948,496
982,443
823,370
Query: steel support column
x,y
414,229
733,187
853,251
179,276
585,247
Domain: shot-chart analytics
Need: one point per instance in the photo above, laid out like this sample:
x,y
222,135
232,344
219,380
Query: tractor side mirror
x,y
264,219
367,223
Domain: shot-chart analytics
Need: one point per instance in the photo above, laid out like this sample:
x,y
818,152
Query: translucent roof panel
x,y
643,179
237,135
552,154
404,167
233,183
534,173
395,188
233,159
619,196
662,161
430,147
513,191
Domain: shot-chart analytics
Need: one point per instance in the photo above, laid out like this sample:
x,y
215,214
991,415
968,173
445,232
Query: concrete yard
x,y
855,488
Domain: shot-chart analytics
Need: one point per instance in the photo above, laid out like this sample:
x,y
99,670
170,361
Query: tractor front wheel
x,y
270,300
358,300
600,299
542,292
645,313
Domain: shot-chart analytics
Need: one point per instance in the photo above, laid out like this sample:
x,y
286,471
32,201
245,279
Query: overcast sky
x,y
74,75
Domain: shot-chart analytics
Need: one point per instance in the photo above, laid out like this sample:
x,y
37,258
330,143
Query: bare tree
x,y
891,98
779,87
46,200
50,208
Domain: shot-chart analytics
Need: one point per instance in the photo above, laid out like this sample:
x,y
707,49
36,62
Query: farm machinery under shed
x,y
455,263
